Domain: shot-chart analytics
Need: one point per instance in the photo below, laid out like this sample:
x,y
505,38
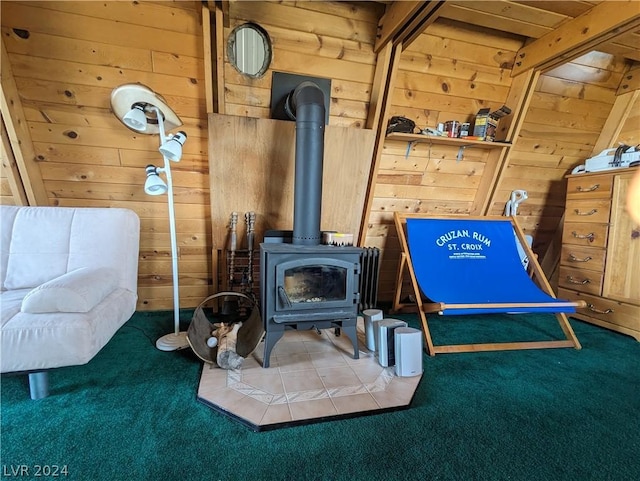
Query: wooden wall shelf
x,y
433,139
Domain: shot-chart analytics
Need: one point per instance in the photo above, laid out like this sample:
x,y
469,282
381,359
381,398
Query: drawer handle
x,y
591,236
573,258
591,212
571,280
590,189
591,307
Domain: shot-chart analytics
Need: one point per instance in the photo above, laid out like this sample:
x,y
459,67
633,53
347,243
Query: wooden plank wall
x,y
630,132
263,171
6,195
322,39
66,58
449,73
569,108
11,193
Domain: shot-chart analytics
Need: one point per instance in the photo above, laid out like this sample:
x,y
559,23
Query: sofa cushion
x,y
77,291
39,247
10,304
114,235
33,342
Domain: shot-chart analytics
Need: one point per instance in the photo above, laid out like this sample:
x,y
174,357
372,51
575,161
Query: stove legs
x,y
271,337
351,332
275,331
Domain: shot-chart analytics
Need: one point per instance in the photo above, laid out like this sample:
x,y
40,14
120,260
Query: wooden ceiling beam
x,y
603,23
403,22
519,98
378,118
208,55
213,39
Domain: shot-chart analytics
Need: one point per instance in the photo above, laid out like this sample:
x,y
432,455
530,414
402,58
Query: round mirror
x,y
249,49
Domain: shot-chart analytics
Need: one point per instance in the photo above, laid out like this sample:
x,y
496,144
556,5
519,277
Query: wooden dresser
x,y
600,258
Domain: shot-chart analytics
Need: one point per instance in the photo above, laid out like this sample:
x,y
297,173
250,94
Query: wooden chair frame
x,y
423,308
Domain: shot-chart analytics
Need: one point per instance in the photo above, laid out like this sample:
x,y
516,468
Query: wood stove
x,y
308,287
304,284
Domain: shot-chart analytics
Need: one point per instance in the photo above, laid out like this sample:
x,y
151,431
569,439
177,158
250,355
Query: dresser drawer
x,y
588,210
583,280
583,257
615,315
584,234
589,187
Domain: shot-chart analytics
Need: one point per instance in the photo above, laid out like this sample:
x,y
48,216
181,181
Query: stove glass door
x,y
311,283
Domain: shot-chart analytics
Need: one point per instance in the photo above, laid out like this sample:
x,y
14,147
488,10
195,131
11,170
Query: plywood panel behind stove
x,y
251,168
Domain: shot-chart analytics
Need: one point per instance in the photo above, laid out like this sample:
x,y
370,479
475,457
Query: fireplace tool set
x,y
240,263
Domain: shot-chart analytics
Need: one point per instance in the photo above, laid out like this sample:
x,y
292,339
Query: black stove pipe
x,y
306,104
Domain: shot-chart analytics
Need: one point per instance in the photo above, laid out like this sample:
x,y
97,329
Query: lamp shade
x,y
136,119
172,148
126,97
154,185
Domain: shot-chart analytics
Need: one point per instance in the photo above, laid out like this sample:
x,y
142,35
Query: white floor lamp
x,y
144,111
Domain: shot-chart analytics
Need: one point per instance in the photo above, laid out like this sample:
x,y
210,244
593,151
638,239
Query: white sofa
x,y
68,280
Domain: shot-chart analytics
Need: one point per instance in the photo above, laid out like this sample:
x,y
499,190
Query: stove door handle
x,y
284,298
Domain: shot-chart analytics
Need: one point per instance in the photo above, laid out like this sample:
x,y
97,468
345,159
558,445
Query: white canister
x,y
371,317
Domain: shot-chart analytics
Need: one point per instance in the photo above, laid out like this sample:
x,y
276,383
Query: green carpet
x,y
132,414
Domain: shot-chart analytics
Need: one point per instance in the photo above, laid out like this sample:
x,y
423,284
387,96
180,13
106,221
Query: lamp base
x,y
173,342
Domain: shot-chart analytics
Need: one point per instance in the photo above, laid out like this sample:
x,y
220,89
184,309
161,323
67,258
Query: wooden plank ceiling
x,y
532,19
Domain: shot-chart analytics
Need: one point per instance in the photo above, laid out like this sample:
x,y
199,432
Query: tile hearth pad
x,y
312,377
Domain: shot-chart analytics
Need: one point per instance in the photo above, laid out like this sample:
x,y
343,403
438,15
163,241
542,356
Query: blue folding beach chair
x,y
470,265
